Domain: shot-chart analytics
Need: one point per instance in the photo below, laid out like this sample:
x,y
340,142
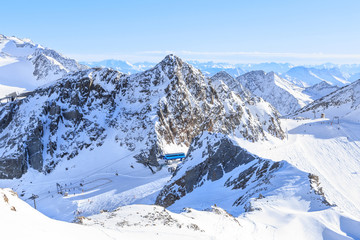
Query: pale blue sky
x,y
306,31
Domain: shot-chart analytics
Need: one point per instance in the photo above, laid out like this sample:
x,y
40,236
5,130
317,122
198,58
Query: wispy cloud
x,y
231,57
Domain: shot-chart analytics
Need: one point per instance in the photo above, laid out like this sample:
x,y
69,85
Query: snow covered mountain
x,y
121,66
306,77
211,68
320,90
278,68
24,64
143,113
282,94
343,103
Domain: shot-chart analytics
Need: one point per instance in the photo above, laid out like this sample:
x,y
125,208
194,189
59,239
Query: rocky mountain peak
x,y
222,75
171,61
143,113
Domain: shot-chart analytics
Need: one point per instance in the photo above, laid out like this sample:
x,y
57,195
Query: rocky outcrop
x,y
13,166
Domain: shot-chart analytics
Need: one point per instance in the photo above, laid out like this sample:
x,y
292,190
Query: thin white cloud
x,y
260,54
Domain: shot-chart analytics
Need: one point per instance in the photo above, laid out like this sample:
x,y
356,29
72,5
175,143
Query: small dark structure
x,y
172,156
33,197
323,115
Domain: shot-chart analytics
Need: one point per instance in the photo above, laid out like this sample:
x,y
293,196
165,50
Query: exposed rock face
x,y
219,157
241,105
169,104
232,83
34,147
13,166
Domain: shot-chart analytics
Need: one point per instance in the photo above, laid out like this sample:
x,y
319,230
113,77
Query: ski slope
x,y
324,148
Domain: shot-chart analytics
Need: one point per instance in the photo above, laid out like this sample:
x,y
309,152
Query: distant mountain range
x,y
122,66
303,76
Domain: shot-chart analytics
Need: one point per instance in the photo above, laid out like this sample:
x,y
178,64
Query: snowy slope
x,y
307,76
5,90
285,96
24,64
218,171
20,221
330,151
273,222
343,103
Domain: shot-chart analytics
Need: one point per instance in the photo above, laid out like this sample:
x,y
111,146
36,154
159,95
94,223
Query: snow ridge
x,y
25,64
